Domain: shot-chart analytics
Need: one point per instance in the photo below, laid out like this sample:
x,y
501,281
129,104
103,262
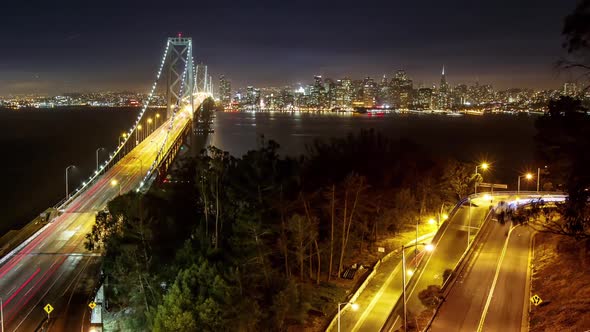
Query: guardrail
x,y
532,195
458,268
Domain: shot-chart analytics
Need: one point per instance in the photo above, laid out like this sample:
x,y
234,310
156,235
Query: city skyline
x,y
101,48
556,84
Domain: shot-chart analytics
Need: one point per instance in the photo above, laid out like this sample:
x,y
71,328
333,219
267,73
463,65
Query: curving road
x,y
491,294
54,267
468,299
492,291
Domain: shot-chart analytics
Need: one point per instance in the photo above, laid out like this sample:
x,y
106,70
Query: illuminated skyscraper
x,y
401,90
424,101
384,93
225,91
570,89
369,92
317,92
443,92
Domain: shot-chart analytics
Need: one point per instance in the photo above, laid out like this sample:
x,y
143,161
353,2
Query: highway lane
x,y
464,304
508,309
45,268
380,294
491,293
449,249
450,245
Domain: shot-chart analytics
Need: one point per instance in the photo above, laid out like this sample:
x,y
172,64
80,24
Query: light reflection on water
x,y
506,140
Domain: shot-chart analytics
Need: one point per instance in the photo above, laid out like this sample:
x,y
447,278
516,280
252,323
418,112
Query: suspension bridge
x,y
52,265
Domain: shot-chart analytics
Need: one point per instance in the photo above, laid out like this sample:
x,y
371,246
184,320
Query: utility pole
x,y
538,178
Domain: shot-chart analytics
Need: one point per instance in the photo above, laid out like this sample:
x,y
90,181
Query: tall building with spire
x,y
443,92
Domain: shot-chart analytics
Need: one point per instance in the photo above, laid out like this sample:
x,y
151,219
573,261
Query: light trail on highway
x,y
43,270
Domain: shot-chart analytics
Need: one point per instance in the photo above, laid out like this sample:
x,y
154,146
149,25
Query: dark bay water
x,y
503,140
38,145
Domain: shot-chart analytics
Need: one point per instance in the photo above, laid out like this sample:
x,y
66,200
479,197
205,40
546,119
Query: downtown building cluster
x,y
97,99
396,93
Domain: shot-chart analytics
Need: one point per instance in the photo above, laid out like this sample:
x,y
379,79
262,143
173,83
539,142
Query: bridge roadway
x,y
52,266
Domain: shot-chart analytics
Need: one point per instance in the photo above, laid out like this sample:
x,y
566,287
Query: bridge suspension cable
x,y
120,147
188,69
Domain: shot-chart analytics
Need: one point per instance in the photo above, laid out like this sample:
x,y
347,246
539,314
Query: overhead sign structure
x,y
48,308
493,185
92,305
536,299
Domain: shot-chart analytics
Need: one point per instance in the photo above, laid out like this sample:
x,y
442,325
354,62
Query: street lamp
x,y
136,133
483,166
114,183
123,136
353,306
149,121
97,150
428,247
67,187
157,117
527,176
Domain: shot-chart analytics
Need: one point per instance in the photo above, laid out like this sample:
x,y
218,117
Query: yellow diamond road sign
x,y
48,308
92,305
536,299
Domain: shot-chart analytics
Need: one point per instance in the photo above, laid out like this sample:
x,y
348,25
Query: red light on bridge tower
x,y
179,34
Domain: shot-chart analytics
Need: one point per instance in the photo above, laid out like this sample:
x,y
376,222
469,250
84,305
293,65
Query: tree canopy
x,y
241,246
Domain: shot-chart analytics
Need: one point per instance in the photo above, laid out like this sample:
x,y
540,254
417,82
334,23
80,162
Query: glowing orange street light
x,y
527,176
353,306
136,133
123,136
114,183
484,166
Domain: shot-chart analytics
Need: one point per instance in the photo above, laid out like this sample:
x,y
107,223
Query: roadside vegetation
x,y
260,242
565,294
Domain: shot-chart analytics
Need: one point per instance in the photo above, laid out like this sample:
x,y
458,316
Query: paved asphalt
x,y
449,248
452,241
54,267
380,295
472,305
448,251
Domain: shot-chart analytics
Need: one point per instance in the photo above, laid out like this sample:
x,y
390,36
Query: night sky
x,y
64,46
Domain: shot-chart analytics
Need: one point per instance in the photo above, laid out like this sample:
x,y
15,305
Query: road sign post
x,y
536,299
48,309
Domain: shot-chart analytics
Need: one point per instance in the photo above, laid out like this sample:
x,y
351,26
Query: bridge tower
x,y
202,78
180,82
